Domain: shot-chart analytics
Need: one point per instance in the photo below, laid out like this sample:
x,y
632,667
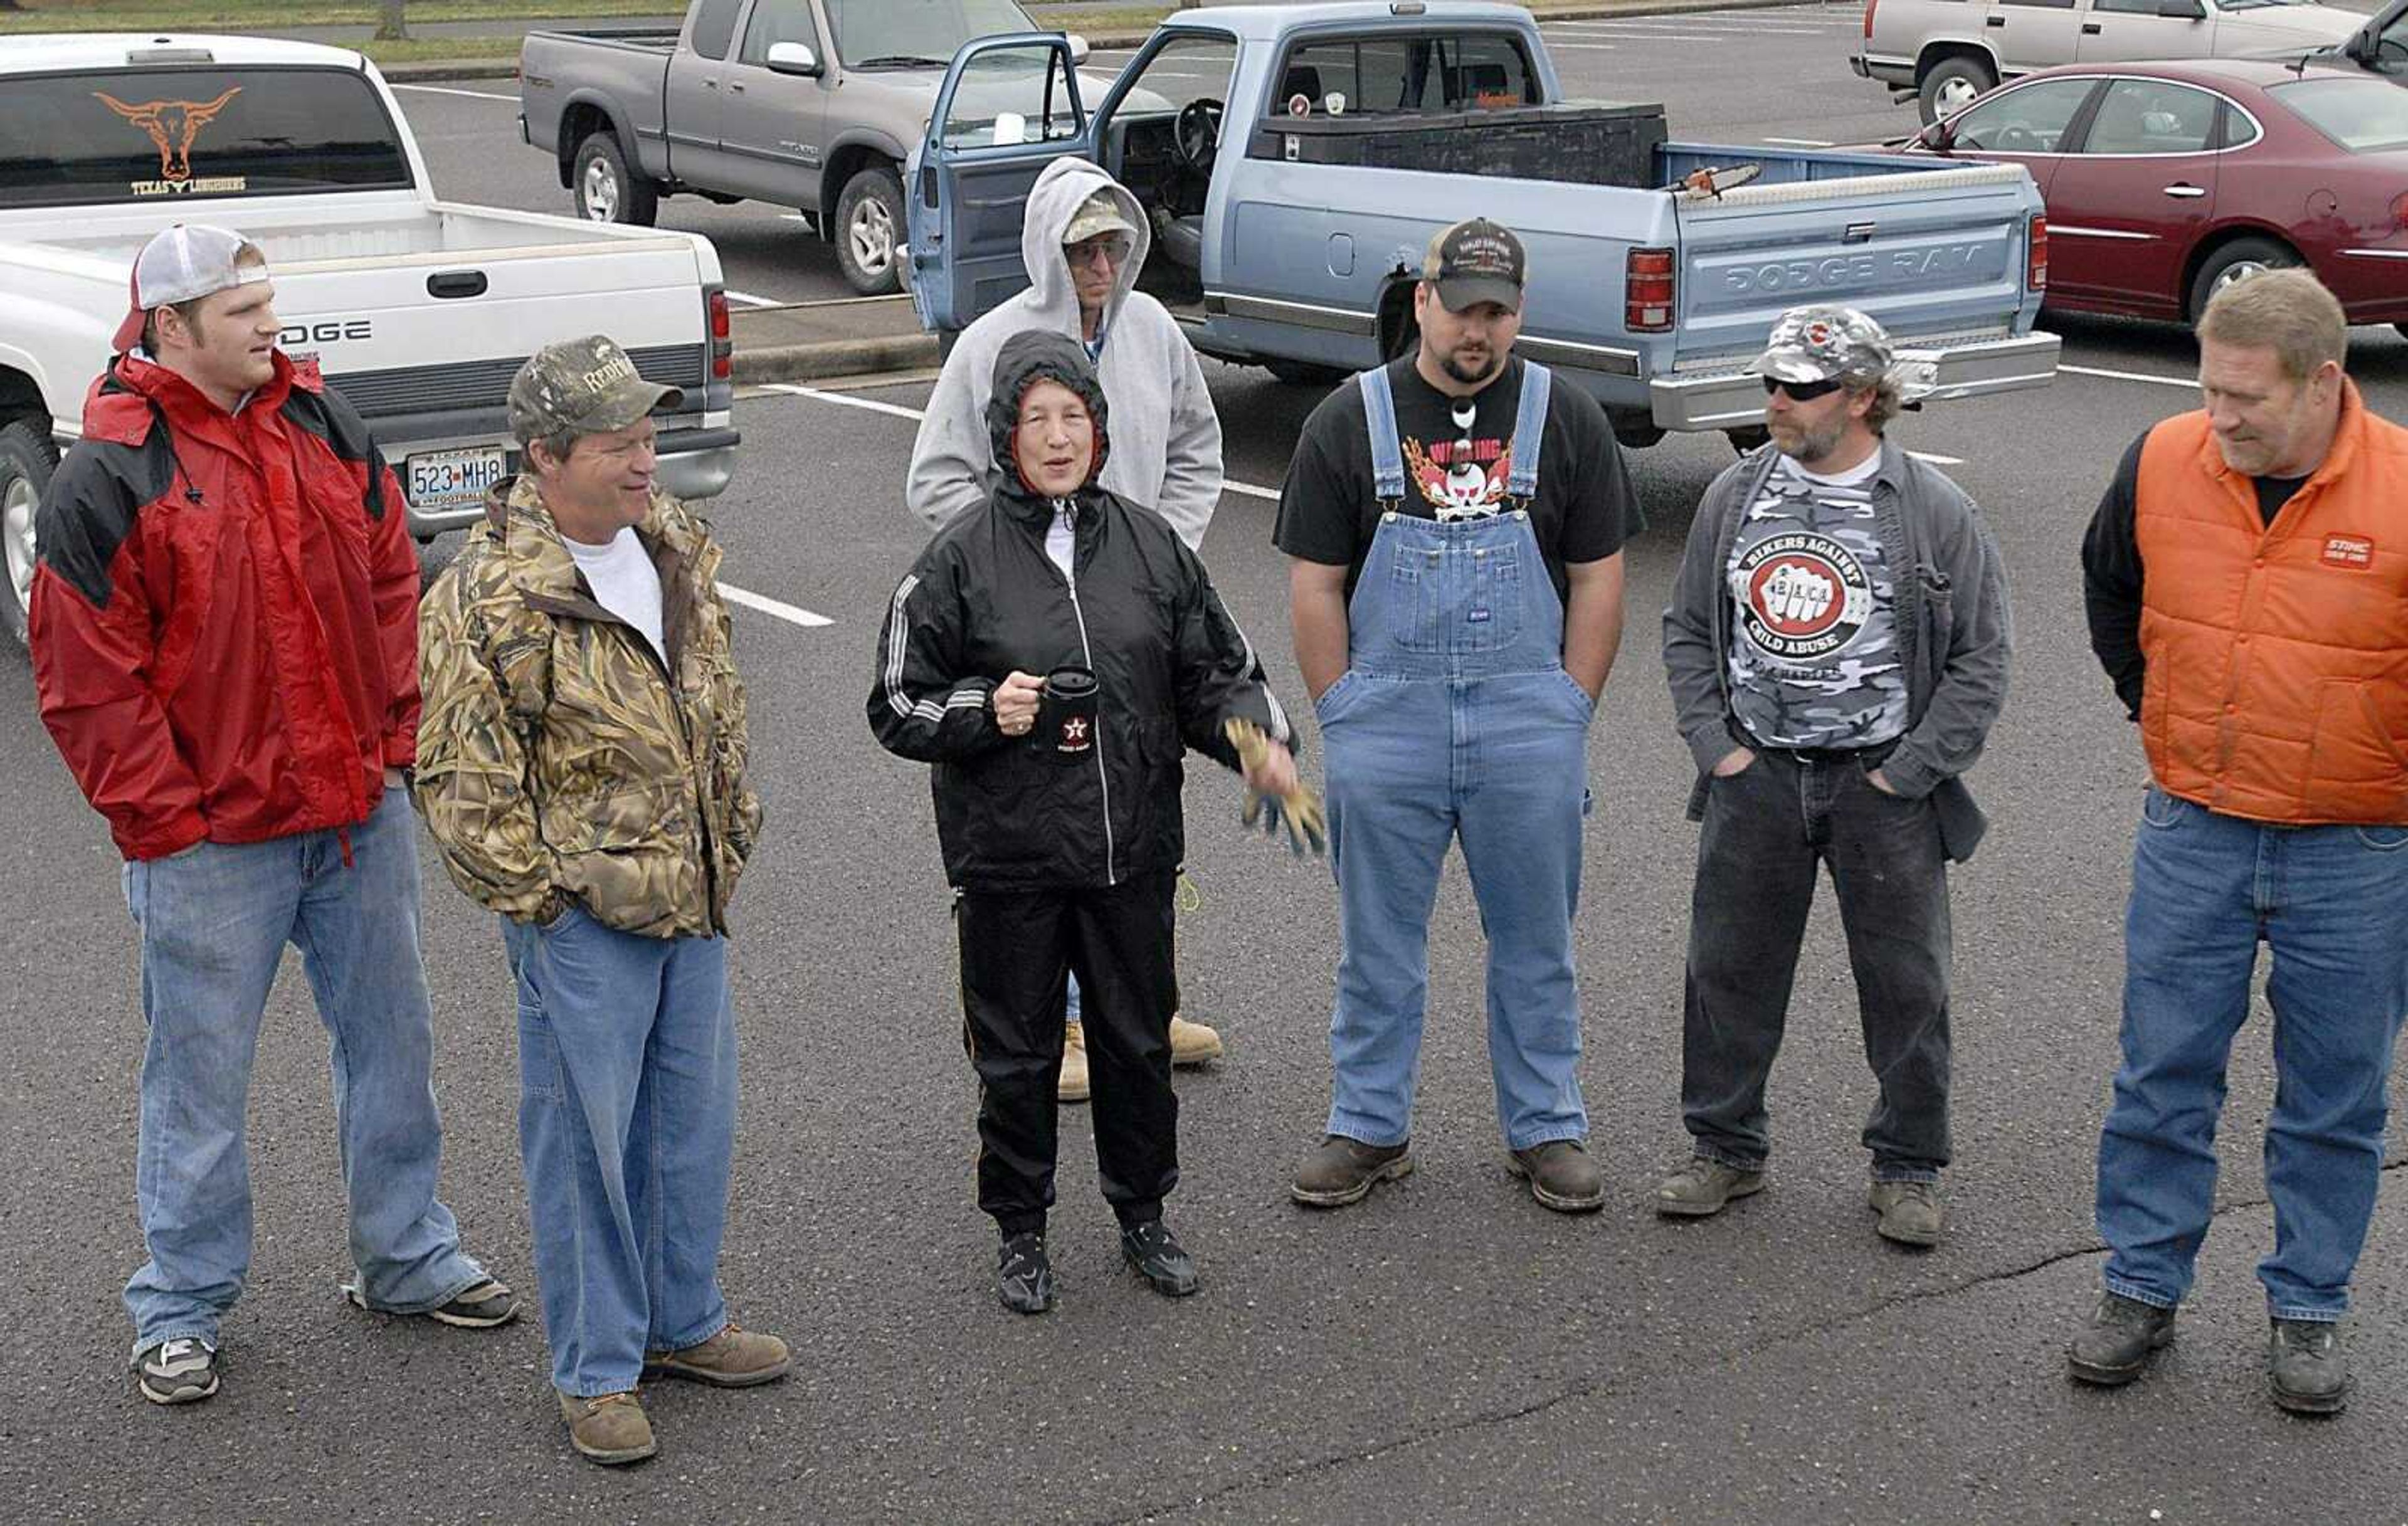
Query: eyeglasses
x,y
1113,247
1801,392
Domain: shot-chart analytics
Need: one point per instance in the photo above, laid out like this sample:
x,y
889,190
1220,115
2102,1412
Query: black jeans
x,y
1766,828
1017,950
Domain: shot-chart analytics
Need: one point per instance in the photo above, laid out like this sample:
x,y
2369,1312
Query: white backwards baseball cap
x,y
179,264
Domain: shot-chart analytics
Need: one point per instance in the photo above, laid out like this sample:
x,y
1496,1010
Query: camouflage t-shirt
x,y
1813,652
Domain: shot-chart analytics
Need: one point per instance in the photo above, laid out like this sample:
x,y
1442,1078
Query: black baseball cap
x,y
1476,261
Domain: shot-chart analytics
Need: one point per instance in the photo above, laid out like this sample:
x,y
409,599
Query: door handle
x,y
735,87
2091,29
1994,20
709,83
2186,192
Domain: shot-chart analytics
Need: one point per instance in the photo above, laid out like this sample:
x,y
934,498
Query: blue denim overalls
x,y
1455,718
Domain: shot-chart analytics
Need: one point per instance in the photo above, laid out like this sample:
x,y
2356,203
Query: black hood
x,y
1024,360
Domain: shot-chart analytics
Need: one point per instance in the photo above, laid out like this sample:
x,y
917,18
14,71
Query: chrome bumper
x,y
694,463
1735,399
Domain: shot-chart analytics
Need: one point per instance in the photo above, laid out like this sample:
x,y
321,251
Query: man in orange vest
x,y
2246,580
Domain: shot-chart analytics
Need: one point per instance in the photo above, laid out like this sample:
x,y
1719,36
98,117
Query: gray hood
x,y
1053,202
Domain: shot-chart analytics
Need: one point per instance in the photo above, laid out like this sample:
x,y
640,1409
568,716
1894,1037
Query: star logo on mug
x,y
1074,732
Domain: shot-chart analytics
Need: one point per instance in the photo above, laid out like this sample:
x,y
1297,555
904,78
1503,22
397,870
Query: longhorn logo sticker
x,y
173,126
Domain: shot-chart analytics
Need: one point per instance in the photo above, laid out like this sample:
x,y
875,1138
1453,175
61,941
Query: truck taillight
x,y
1647,291
1871,6
722,341
2399,211
2035,256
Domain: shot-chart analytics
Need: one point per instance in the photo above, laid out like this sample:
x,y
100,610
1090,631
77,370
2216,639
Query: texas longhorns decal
x,y
172,125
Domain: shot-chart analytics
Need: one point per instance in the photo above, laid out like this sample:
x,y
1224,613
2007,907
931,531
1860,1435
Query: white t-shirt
x,y
624,582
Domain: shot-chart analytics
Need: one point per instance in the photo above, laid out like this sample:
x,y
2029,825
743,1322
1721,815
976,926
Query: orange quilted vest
x,y
2277,678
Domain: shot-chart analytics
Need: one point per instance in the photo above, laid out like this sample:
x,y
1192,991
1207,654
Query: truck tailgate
x,y
1929,252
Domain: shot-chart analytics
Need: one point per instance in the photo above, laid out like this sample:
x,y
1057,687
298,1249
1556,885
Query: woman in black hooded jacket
x,y
1059,817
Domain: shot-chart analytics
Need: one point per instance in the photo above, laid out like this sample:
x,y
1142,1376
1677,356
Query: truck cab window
x,y
774,21
1467,71
714,26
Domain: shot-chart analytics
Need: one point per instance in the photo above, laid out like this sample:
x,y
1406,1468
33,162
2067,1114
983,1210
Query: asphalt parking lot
x,y
1447,1350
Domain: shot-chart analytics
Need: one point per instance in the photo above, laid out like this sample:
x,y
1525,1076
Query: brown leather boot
x,y
609,1428
736,1357
1073,1085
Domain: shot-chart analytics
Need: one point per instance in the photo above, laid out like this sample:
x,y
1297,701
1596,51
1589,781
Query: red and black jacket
x,y
224,617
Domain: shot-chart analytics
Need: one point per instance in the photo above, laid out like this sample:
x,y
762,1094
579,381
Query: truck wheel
x,y
607,189
2237,262
26,458
869,228
1951,85
1304,373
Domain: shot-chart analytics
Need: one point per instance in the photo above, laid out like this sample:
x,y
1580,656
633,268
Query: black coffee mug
x,y
1065,715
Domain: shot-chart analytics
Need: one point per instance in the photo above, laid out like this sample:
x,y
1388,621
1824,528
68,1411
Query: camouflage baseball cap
x,y
1825,342
1099,214
582,387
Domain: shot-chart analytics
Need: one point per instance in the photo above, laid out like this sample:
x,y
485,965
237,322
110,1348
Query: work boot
x,y
1073,1085
1159,1258
1339,1171
1910,1212
609,1428
1192,1043
736,1357
1561,1176
2113,1346
2305,1368
1023,1279
1701,1188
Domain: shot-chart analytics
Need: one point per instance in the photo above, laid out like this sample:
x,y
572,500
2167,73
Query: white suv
x,y
1944,52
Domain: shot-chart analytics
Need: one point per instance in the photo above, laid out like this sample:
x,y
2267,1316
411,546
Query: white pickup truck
x,y
417,311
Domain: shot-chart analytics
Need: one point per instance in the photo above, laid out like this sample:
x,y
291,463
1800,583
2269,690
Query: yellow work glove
x,y
1297,812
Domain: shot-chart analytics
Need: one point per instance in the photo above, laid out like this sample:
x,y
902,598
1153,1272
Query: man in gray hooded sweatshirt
x,y
1083,241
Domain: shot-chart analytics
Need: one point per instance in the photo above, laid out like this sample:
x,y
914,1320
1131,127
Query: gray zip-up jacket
x,y
1953,631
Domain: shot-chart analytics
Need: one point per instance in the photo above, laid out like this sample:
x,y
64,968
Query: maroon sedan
x,y
2166,181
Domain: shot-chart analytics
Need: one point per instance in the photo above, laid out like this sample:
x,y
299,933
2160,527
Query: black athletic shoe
x,y
1159,1258
1023,1279
178,1371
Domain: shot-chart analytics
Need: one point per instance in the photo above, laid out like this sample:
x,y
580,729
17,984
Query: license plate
x,y
453,478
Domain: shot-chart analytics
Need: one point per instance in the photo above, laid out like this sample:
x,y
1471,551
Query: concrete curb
x,y
835,357
496,68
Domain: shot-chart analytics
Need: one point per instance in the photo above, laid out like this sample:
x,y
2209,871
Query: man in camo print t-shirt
x,y
1837,647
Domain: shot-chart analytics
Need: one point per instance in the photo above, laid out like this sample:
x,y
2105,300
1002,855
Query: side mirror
x,y
795,58
1938,137
1078,48
2182,10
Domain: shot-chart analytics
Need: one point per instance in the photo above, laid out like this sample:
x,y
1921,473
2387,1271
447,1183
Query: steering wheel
x,y
2015,137
1195,134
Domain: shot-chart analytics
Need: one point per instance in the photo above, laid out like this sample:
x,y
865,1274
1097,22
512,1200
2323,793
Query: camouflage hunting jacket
x,y
557,753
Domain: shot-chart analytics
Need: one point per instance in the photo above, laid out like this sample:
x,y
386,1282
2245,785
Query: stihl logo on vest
x,y
2349,551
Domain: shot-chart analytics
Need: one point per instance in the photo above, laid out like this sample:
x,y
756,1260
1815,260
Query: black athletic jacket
x,y
985,599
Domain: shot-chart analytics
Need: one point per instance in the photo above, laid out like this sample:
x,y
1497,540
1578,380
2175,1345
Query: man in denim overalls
x,y
1455,524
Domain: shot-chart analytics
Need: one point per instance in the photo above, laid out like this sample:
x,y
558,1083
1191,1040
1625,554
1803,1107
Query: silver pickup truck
x,y
808,104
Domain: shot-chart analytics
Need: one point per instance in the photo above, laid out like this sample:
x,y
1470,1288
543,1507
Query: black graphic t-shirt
x,y
1583,512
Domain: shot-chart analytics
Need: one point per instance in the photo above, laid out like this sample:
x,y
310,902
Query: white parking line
x,y
1802,142
1579,47
2186,383
749,300
472,94
1937,460
787,612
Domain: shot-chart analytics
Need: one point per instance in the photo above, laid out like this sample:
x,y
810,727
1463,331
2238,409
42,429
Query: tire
x,y
607,189
1304,373
27,460
2237,261
868,230
1950,84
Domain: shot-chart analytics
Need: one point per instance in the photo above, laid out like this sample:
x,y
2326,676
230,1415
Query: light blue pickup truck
x,y
1309,151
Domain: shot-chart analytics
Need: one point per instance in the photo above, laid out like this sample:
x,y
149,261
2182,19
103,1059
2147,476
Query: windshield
x,y
2364,116
917,34
160,135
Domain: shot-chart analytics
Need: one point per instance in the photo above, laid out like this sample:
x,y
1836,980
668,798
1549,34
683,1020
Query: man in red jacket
x,y
225,640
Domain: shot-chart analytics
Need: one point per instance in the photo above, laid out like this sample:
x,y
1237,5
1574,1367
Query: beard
x,y
1468,375
1804,443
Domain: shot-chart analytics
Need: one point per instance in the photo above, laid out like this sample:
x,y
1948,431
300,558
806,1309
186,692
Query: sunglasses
x,y
1800,391
1111,249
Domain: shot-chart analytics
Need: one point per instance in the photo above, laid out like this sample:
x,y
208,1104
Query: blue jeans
x,y
626,1123
1456,720
214,921
2331,902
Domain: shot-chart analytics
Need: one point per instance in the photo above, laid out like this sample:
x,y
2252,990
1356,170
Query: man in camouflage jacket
x,y
581,764
1837,649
